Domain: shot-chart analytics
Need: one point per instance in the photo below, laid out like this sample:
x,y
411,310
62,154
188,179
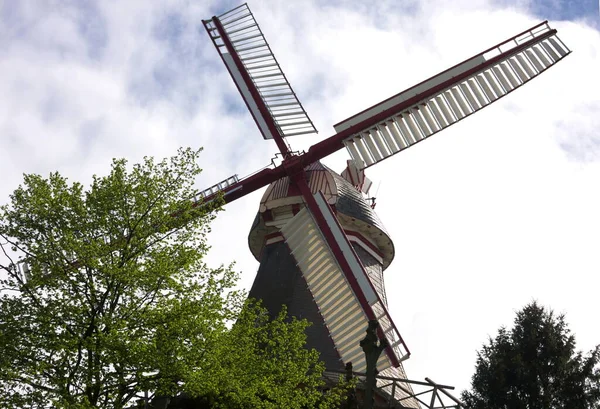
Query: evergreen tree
x,y
535,366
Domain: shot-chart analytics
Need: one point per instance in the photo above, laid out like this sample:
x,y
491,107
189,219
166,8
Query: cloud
x,y
496,210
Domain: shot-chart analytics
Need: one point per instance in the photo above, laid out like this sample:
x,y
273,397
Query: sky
x,y
486,216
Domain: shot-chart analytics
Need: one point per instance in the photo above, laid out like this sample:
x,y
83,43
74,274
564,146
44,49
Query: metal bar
x,y
442,388
432,398
399,380
393,396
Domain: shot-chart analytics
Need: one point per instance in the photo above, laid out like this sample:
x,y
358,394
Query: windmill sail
x,y
346,303
446,98
257,74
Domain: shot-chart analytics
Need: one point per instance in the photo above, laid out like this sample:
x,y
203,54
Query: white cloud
x,y
492,213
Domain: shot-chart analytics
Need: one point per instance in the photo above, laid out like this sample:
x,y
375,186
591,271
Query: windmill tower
x,y
322,249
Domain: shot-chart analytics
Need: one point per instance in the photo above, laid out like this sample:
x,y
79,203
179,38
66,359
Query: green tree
x,y
535,365
117,300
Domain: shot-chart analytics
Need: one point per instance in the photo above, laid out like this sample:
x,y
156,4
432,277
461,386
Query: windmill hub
x,y
293,165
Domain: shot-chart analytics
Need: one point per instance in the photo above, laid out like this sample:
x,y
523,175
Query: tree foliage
x,y
535,365
118,301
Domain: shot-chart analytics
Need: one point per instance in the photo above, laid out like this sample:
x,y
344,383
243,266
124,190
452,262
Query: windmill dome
x,y
281,201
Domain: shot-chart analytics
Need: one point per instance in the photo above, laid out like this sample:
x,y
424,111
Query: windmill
x,y
321,247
